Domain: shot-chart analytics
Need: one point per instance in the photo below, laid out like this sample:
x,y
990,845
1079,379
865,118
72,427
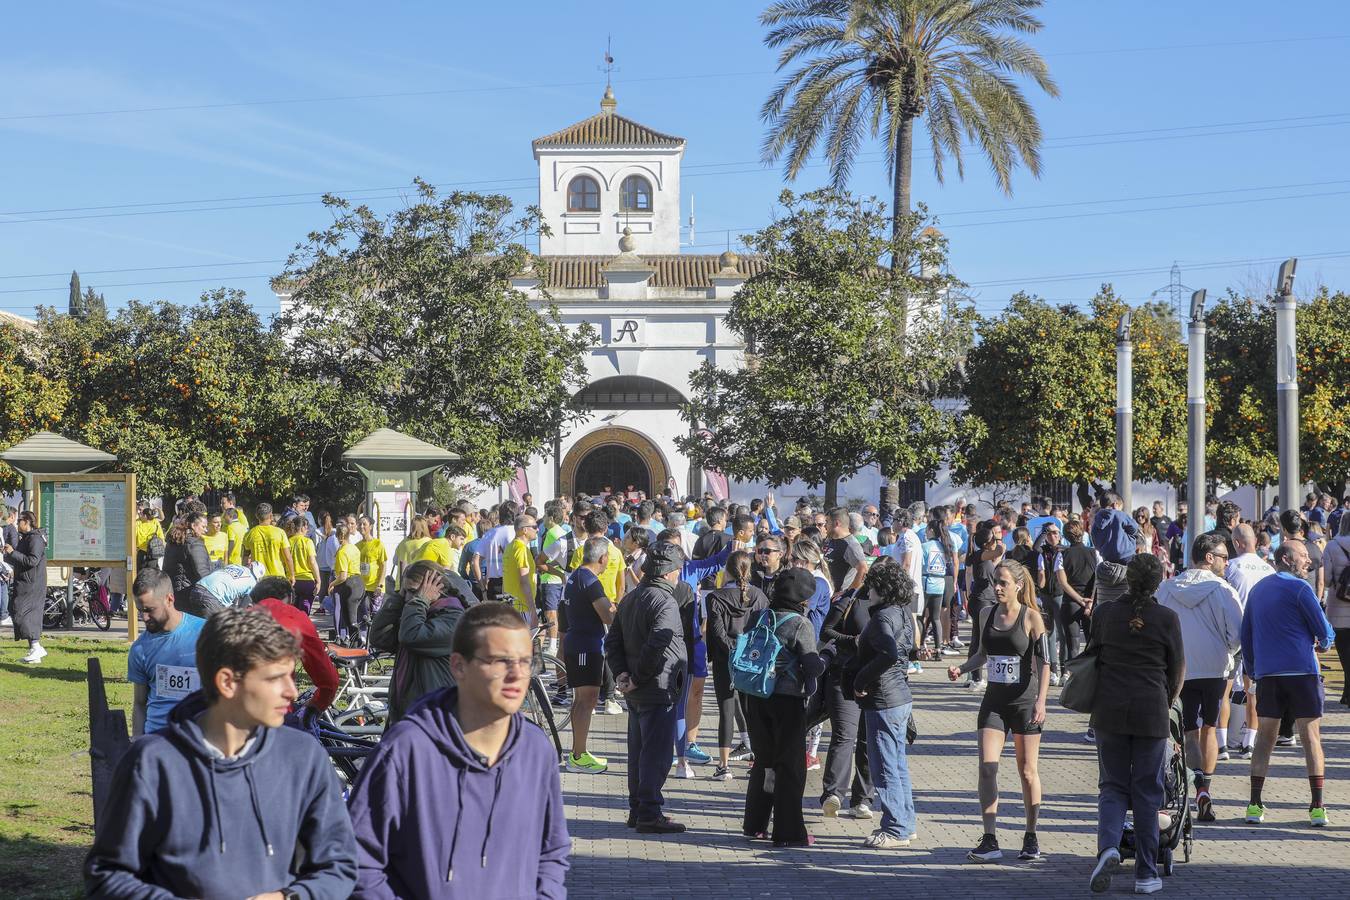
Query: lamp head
x,y
1198,305
1286,280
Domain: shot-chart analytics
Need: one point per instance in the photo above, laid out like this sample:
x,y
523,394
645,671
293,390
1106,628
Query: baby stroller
x,y
1174,816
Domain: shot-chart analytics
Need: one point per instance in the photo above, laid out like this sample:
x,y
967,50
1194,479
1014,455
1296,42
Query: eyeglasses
x,y
498,666
765,551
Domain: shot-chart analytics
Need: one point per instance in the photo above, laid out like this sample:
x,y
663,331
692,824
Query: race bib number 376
x,y
175,682
1004,669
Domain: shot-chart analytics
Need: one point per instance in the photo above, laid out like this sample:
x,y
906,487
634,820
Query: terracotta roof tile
x,y
608,129
676,270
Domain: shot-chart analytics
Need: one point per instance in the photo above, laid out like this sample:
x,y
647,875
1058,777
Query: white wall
x,y
597,234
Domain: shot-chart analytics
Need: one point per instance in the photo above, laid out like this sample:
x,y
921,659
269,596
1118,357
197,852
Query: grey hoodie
x,y
1211,621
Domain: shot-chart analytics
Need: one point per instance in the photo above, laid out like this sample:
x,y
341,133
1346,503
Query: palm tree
x,y
870,66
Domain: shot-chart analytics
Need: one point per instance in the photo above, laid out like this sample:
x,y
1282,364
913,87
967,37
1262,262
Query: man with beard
x,y
162,663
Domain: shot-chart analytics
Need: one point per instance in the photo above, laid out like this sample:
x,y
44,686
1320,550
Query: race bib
x,y
175,682
1004,669
365,568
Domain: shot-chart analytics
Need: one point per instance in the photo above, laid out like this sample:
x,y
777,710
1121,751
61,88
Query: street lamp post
x,y
1195,421
1286,384
1125,412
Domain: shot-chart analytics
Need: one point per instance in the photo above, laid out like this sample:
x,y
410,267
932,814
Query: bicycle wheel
x,y
538,710
99,613
562,716
54,608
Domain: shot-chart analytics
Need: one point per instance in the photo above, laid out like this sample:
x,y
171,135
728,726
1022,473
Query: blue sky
x,y
1207,133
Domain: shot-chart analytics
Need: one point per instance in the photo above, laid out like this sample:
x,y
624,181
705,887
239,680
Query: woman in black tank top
x,y
1015,657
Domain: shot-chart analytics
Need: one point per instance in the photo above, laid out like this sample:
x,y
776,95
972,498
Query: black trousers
x,y
728,701
778,737
651,735
846,763
1343,652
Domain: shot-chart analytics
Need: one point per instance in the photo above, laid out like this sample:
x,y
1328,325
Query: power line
x,y
390,95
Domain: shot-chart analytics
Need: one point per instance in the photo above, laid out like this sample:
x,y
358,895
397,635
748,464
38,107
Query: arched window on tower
x,y
583,194
636,194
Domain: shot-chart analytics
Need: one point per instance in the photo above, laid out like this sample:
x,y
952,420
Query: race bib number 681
x,y
175,681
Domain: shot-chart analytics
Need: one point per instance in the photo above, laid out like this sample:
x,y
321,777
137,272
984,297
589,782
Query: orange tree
x,y
1040,395
187,397
29,400
1244,445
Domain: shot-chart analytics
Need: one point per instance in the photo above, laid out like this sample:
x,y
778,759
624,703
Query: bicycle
x,y
89,604
361,705
538,706
345,750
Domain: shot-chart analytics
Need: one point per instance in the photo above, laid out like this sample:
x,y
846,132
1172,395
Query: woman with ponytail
x,y
1140,671
731,609
1014,651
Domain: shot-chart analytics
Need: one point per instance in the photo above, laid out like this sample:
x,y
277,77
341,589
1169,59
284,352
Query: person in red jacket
x,y
274,594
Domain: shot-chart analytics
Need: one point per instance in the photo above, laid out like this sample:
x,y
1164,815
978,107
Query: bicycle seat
x,y
347,656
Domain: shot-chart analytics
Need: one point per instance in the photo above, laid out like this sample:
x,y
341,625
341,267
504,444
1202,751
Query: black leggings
x,y
1070,619
728,704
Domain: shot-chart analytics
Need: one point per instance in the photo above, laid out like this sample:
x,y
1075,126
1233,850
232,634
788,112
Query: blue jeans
x,y
4,599
888,762
1130,776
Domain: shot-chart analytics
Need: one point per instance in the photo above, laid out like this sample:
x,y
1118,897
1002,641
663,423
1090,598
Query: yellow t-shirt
x,y
264,544
145,530
613,574
518,556
409,549
302,550
243,519
347,561
234,532
437,550
373,560
216,545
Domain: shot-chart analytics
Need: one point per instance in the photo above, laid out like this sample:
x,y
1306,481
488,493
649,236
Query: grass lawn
x,y
46,810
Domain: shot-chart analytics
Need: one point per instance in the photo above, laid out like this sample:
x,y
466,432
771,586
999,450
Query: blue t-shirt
x,y
228,584
963,534
585,630
165,661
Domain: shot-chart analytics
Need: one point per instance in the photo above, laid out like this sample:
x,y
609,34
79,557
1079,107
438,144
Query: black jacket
x,y
186,564
420,634
845,621
799,664
28,593
728,618
1139,672
647,642
882,665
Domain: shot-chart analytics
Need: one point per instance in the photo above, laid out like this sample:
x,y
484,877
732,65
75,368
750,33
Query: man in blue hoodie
x,y
224,803
463,798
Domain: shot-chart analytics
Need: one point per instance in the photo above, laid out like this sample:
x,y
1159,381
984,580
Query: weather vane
x,y
608,67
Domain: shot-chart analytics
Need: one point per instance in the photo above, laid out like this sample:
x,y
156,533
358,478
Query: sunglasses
x,y
765,551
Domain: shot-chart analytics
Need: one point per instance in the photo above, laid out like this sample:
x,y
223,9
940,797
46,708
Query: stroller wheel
x,y
1165,860
1186,850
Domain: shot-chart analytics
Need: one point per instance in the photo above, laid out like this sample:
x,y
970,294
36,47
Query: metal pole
x,y
1125,412
1286,385
1195,421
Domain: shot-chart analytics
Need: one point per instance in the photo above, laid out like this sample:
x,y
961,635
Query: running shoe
x,y
1031,848
1256,814
812,762
915,669
560,698
1147,885
975,687
742,752
882,840
1204,807
721,773
957,644
1317,817
1291,741
1240,752
986,851
612,708
1223,754
1107,863
830,806
1054,679
949,650
685,770
859,810
1090,737
587,764
695,753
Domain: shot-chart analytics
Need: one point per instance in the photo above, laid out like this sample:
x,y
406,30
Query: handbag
x,y
1081,689
911,731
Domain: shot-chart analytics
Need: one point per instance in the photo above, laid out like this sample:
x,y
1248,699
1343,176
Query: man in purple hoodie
x,y
463,799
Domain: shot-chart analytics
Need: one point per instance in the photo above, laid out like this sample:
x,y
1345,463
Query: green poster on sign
x,y
85,521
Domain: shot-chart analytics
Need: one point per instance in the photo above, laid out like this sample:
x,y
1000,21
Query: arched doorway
x,y
613,456
614,465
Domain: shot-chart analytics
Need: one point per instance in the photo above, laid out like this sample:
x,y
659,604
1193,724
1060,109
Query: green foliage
x,y
186,397
413,321
832,382
1244,445
29,400
870,68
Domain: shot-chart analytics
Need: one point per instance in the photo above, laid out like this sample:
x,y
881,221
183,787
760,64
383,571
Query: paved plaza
x,y
1231,859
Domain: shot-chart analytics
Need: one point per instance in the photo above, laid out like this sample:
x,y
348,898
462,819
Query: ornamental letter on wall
x,y
627,332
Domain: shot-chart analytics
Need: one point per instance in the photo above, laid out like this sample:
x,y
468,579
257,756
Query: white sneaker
x,y
685,770
859,810
1148,886
35,654
1107,863
1054,679
829,808
975,687
6,622
612,707
958,644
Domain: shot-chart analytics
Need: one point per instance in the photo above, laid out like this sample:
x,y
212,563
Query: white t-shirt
x,y
908,542
494,548
1244,572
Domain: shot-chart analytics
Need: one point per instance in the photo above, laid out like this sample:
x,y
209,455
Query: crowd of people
x,y
804,620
